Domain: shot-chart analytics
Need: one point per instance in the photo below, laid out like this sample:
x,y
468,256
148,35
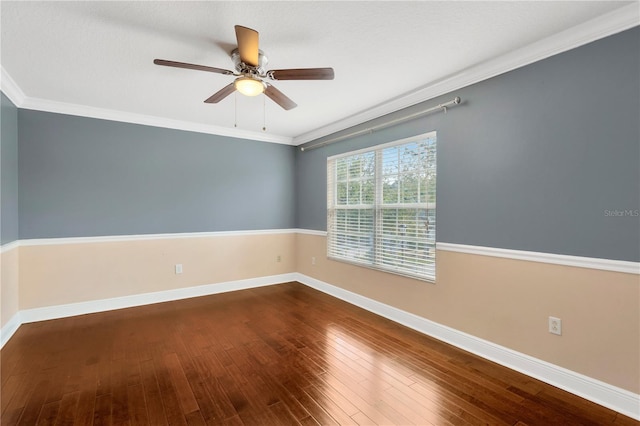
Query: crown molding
x,y
608,24
148,120
19,99
11,89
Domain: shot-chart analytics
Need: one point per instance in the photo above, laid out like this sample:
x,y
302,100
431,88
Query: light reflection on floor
x,y
376,382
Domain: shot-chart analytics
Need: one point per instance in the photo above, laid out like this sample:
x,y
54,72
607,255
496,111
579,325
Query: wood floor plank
x,y
194,418
153,399
283,395
212,398
104,378
394,374
415,413
47,416
363,401
333,409
231,421
170,400
136,404
459,405
462,390
233,388
68,408
282,414
434,412
361,419
179,379
317,411
86,407
15,386
102,411
560,400
259,396
283,354
309,421
119,394
35,403
207,405
336,398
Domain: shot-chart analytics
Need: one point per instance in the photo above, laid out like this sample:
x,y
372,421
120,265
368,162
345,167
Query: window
x,y
381,207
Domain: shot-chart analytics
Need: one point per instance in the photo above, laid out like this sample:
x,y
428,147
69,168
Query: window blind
x,y
381,207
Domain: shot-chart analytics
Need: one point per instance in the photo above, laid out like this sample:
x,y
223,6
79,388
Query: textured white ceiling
x,y
99,54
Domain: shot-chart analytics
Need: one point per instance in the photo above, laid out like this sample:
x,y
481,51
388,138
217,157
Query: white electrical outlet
x,y
555,326
278,259
178,268
313,260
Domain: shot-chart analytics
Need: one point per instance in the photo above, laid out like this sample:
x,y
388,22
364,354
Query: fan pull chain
x,y
264,113
235,108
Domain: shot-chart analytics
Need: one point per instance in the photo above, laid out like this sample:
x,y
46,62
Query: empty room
x,y
320,213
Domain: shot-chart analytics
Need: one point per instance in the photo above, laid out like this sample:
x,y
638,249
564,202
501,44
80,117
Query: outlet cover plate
x,y
555,326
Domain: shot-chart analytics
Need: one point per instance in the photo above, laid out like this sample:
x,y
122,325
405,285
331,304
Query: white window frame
x,y
420,263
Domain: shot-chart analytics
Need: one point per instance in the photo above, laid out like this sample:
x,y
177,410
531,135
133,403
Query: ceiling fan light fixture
x,y
250,73
249,86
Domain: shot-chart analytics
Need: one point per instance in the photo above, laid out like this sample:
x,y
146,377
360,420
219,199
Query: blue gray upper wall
x,y
8,171
87,177
532,160
542,158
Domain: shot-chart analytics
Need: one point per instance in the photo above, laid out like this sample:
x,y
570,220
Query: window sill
x,y
430,280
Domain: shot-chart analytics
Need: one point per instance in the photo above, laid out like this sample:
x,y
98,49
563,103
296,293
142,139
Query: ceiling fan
x,y
250,63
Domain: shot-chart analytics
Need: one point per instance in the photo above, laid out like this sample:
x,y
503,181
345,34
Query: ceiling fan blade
x,y
221,94
190,66
302,74
247,45
280,98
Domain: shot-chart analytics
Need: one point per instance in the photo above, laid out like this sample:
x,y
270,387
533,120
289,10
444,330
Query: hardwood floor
x,y
283,354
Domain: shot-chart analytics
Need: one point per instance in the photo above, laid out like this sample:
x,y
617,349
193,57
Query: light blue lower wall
x,y
544,158
87,177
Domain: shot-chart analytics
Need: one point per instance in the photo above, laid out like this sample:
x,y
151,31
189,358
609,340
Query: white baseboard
x,y
9,329
72,309
93,306
620,400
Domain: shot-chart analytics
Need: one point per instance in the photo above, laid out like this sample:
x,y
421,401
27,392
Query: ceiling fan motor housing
x,y
243,68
